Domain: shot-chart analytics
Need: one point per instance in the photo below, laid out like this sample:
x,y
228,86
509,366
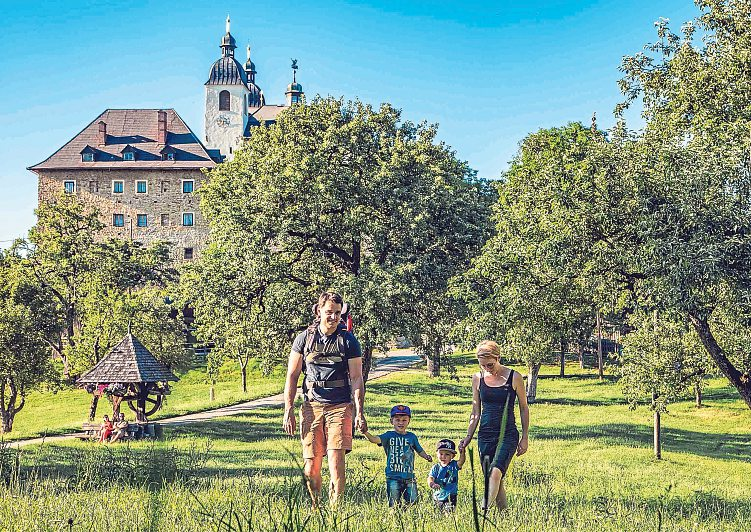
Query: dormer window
x,y
87,154
129,153
168,153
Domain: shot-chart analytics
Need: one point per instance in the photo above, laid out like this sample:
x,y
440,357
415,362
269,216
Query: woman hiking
x,y
495,389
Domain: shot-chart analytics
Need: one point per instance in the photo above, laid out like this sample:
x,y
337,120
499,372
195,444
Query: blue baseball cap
x,y
401,410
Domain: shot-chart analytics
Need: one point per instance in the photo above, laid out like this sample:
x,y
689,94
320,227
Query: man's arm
x,y
294,368
371,438
357,384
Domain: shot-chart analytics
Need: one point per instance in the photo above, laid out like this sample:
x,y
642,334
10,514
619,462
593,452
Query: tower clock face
x,y
222,121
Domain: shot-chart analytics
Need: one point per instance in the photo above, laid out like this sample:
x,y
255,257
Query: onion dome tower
x,y
294,91
255,93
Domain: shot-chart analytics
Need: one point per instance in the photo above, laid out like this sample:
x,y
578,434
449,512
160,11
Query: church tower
x,y
229,92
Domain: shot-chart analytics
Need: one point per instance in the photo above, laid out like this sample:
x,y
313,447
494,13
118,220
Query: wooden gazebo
x,y
129,373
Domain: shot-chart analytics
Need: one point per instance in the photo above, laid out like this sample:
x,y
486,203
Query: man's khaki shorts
x,y
325,427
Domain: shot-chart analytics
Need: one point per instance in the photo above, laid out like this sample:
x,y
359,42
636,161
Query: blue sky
x,y
488,72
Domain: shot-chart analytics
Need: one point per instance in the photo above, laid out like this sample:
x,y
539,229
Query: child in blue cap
x,y
400,447
444,477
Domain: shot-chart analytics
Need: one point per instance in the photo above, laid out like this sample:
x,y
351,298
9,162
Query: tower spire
x,y
294,90
228,43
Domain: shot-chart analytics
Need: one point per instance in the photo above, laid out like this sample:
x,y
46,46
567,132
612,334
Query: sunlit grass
x,y
589,467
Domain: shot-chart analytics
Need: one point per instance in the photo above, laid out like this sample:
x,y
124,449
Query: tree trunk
x,y
92,407
534,370
600,371
657,434
581,355
697,389
563,357
212,393
243,372
6,424
741,381
367,360
434,363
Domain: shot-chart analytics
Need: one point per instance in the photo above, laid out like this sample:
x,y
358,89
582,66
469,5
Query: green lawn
x,y
66,410
589,467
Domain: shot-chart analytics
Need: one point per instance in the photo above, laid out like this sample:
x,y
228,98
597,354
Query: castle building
x,y
140,167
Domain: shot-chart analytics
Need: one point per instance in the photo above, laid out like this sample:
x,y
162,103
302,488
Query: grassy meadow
x,y
589,467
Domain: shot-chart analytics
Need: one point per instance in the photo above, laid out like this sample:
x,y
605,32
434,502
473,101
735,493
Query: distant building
x,y
140,167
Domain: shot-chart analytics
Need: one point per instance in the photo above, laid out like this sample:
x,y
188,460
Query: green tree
x,y
661,361
695,185
90,282
340,195
537,276
24,355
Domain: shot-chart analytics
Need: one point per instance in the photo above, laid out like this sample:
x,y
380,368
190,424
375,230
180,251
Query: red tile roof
x,y
139,128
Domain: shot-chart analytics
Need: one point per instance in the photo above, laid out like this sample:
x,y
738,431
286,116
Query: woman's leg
x,y
500,499
494,486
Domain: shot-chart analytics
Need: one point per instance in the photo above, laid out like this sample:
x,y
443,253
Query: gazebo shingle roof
x,y
128,362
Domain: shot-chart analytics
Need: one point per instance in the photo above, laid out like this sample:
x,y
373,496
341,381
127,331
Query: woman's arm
x,y
462,458
521,393
474,417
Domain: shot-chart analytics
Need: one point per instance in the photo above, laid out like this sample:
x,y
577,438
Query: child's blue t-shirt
x,y
400,454
448,478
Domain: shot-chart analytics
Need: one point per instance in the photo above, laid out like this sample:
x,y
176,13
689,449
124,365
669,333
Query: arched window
x,y
224,101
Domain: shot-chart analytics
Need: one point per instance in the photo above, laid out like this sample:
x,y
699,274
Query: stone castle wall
x,y
164,196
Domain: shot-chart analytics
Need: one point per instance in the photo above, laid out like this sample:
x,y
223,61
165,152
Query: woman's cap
x,y
401,410
446,445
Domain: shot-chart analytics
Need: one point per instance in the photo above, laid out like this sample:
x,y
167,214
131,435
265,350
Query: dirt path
x,y
396,360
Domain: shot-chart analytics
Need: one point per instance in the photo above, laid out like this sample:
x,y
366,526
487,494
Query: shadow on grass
x,y
722,446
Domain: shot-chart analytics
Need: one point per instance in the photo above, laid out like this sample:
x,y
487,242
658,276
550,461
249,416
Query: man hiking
x,y
331,359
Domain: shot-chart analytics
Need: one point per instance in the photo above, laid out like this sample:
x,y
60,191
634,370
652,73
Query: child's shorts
x,y
447,505
399,490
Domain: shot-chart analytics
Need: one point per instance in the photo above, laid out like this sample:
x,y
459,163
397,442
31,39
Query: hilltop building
x,y
140,167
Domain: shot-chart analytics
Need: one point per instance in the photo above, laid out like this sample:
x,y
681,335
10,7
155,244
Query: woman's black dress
x,y
497,449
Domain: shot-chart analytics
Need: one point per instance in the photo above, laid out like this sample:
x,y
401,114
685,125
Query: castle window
x,y
87,157
117,187
164,219
93,186
188,253
129,156
142,220
224,101
70,187
141,187
187,186
118,220
165,186
188,219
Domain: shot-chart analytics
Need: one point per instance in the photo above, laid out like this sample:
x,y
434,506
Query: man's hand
x,y
360,423
464,443
290,422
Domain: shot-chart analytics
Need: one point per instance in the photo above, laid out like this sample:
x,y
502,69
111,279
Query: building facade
x,y
141,167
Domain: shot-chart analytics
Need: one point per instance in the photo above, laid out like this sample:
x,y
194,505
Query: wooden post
x,y
563,357
92,408
600,371
657,447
